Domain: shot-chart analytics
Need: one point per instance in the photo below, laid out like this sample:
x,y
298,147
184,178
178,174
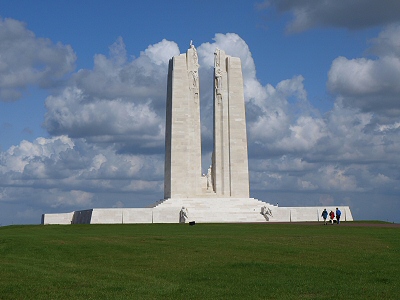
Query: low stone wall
x,y
137,215
226,210
62,219
307,214
166,215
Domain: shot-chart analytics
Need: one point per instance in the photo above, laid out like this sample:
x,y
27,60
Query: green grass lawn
x,y
205,261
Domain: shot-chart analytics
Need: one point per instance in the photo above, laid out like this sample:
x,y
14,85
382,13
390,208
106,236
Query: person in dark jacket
x,y
338,214
325,215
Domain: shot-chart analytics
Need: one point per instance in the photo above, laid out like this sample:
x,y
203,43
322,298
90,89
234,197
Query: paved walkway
x,y
343,223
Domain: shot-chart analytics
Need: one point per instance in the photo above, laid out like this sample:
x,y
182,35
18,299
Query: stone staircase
x,y
210,210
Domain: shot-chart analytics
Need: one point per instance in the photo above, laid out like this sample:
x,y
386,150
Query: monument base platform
x,y
198,210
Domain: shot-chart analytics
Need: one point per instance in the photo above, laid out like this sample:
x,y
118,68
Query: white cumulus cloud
x,y
26,60
119,102
370,84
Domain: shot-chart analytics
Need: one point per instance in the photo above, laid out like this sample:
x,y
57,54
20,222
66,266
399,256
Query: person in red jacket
x,y
331,216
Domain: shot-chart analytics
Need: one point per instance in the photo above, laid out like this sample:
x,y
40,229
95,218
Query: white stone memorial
x,y
228,175
222,195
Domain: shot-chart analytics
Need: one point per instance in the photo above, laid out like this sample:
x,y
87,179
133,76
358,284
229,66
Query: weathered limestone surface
x,y
230,158
182,136
137,215
239,169
62,218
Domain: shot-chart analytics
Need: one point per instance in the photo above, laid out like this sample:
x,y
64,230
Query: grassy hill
x,y
205,261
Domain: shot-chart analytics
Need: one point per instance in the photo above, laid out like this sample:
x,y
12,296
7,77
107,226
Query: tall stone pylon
x,y
230,171
182,133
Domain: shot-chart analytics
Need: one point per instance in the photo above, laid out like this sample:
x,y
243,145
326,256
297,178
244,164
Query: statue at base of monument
x,y
266,212
183,215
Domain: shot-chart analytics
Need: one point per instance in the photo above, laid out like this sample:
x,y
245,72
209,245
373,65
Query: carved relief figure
x,y
195,56
194,85
218,76
218,84
193,74
195,79
217,58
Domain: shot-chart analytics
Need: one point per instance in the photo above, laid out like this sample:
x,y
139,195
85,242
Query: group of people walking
x,y
331,216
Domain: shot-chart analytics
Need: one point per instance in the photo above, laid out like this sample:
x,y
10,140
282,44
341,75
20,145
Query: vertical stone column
x,y
182,132
194,127
221,177
239,169
230,161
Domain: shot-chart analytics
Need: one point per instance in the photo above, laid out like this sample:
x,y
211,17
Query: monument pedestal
x,y
210,210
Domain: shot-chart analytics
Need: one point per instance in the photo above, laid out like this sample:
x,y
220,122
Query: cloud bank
x,y
26,60
354,14
371,84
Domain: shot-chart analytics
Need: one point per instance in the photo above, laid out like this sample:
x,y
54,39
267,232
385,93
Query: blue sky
x,y
82,100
